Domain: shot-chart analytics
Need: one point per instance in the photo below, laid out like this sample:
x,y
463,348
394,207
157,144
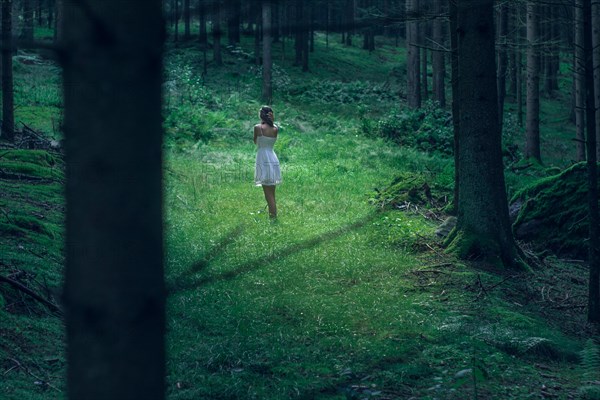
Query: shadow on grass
x,y
184,282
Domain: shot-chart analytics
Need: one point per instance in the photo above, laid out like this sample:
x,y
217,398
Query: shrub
x,y
428,129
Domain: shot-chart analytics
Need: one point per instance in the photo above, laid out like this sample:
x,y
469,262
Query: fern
x,y
590,367
590,361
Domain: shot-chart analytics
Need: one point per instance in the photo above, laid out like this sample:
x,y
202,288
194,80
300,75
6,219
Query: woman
x,y
267,173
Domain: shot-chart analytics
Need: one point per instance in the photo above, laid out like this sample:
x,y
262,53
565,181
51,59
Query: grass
x,y
338,299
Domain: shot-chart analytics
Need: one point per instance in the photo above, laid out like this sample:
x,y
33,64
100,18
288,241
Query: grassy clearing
x,y
336,299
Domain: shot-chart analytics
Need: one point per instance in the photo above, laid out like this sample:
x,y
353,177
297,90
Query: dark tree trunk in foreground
x,y
114,291
594,217
579,82
8,118
455,106
502,59
413,67
596,47
483,227
532,142
267,88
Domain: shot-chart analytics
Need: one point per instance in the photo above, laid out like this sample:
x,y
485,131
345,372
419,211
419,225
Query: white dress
x,y
267,171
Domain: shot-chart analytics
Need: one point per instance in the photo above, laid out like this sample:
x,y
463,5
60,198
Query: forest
x,y
415,217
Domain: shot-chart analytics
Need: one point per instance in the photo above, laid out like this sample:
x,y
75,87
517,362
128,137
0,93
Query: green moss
x,y
37,157
21,225
32,163
412,188
554,211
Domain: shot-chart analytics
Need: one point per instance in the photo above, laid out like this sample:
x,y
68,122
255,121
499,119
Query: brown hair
x,y
265,115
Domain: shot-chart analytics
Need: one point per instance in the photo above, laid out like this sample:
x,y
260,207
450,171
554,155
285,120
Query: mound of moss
x,y
553,212
32,164
410,189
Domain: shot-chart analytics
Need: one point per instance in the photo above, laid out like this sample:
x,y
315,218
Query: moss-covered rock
x,y
553,212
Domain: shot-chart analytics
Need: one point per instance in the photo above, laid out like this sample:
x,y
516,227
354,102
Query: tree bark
x,y
438,64
413,66
233,22
453,11
594,217
305,38
202,34
596,57
502,59
187,20
51,7
38,12
298,30
579,79
216,31
176,19
114,290
257,35
532,142
483,227
27,31
58,21
267,88
8,118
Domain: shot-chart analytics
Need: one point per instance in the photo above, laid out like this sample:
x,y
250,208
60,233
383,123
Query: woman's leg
x,y
270,197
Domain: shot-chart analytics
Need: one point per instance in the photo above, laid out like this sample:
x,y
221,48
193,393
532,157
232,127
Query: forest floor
x,y
339,298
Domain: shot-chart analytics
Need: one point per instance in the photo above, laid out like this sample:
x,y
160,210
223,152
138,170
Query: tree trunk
x,y
202,34
27,31
38,12
483,227
532,143
176,18
51,7
58,21
233,22
349,21
187,20
502,59
216,31
114,291
305,40
257,35
421,41
8,118
455,106
554,49
413,66
438,64
594,217
267,90
519,79
297,30
596,47
579,79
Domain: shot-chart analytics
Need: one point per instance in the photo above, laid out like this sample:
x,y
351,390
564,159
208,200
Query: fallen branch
x,y
53,307
28,371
